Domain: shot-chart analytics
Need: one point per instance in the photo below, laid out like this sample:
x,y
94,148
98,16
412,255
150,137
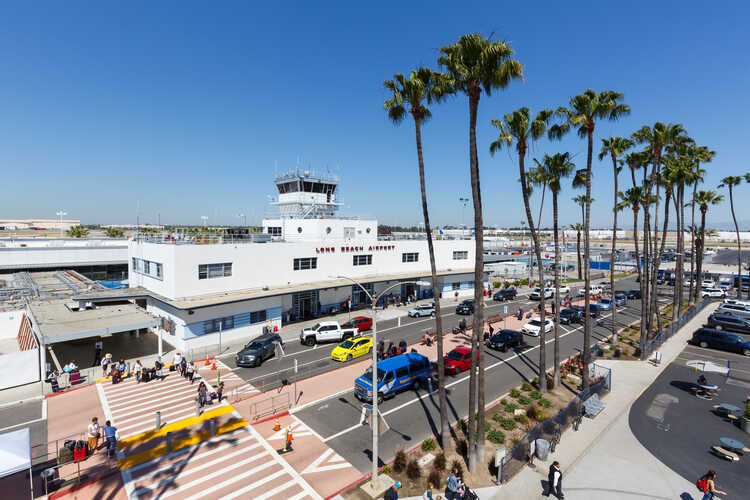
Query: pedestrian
x,y
380,349
220,392
157,368
554,481
137,369
451,489
176,361
106,361
93,435
191,371
183,367
110,434
392,492
492,330
486,336
52,379
707,486
97,354
427,495
202,394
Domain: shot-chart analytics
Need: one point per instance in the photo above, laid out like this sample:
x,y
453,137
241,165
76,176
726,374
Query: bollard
x,y
169,442
158,420
399,321
197,408
212,426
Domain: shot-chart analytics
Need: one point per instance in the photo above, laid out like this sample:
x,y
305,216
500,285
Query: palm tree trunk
x,y
654,249
580,269
659,254
444,425
556,362
691,290
699,254
587,271
477,362
612,257
676,292
739,244
541,206
538,253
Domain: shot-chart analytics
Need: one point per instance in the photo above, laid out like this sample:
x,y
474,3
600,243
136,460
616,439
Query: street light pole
x,y
60,214
464,201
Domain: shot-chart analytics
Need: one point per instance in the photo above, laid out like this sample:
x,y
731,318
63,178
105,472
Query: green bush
x,y
386,469
439,462
428,444
399,461
503,401
508,424
526,387
524,400
510,408
497,417
535,395
496,436
515,393
747,409
496,284
544,403
521,419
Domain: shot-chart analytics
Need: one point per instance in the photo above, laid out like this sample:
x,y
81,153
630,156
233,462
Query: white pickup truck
x,y
326,331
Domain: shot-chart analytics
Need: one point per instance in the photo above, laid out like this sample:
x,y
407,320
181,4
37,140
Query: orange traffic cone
x,y
277,425
213,366
206,361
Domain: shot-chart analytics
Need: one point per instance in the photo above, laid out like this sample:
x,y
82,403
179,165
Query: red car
x,y
361,323
458,360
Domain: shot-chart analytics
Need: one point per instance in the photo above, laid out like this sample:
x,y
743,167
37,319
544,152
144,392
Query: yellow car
x,y
352,348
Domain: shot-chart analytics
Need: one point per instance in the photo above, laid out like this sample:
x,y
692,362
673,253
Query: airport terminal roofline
x,y
215,299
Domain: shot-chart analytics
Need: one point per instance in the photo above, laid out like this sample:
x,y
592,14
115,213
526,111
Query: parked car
x,y
739,310
350,349
326,331
719,339
569,315
258,350
410,370
725,285
534,326
505,294
458,360
564,289
714,293
422,311
504,339
605,285
729,323
736,302
361,323
536,294
633,294
594,310
465,307
605,303
621,299
708,284
594,290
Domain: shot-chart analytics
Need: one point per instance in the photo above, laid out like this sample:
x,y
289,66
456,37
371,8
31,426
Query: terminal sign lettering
x,y
344,249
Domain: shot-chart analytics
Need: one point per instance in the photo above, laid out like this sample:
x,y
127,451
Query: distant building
x,y
18,224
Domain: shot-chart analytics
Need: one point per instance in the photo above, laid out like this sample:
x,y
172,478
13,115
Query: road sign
x,y
505,309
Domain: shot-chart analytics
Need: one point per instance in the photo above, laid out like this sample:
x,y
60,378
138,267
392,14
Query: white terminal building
x,y
302,266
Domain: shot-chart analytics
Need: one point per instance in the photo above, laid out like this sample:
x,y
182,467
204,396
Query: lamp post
x,y
373,303
204,218
61,213
244,219
463,201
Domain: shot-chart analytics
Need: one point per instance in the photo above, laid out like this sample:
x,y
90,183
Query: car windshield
x,y
346,345
254,345
368,374
605,300
317,325
455,355
500,337
535,322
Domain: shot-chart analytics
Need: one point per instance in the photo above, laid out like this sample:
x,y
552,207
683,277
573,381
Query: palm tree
x,y
114,232
700,155
553,170
614,147
423,85
578,227
585,109
77,232
519,128
703,199
579,181
475,64
730,181
678,168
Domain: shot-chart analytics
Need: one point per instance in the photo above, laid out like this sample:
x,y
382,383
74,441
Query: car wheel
x,y
703,344
746,352
417,385
310,341
719,327
432,315
348,357
369,351
380,398
504,348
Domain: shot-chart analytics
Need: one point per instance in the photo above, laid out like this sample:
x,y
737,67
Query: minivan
x,y
738,310
719,339
396,374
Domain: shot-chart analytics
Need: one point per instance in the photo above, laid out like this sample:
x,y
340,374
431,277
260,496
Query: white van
x,y
739,310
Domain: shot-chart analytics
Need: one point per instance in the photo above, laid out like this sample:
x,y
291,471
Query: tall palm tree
x,y
475,65
700,154
519,128
77,232
614,147
677,167
584,111
730,181
703,199
553,170
581,201
578,227
408,96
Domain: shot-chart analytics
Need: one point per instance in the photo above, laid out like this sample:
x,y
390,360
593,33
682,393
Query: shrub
x,y
508,424
496,436
463,426
435,478
747,409
535,395
550,382
515,393
413,471
521,419
399,461
439,462
511,407
428,444
526,387
541,415
457,467
535,382
544,403
462,448
497,417
531,412
386,469
503,401
524,400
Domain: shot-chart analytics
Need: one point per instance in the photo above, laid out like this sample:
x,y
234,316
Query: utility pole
x,y
463,201
60,214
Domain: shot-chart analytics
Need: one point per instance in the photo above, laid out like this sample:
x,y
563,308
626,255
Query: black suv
x,y
568,316
729,323
258,350
594,310
465,307
504,339
505,294
633,294
718,339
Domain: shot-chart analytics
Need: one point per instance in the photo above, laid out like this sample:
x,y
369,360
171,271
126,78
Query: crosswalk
x,y
235,387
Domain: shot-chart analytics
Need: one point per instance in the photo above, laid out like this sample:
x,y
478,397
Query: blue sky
x,y
186,109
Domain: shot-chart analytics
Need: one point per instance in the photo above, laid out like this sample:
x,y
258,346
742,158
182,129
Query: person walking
x,y
709,488
554,481
202,391
110,434
158,368
220,392
93,435
191,371
392,492
97,354
105,362
137,369
183,367
427,495
451,489
177,360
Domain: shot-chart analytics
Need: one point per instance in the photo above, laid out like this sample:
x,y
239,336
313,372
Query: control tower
x,y
303,196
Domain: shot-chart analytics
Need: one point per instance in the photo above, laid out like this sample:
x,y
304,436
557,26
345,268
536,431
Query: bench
x,y
724,453
593,406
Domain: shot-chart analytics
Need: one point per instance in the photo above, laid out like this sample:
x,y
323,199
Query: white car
x,y
708,284
595,290
532,327
714,293
564,289
536,294
606,285
736,302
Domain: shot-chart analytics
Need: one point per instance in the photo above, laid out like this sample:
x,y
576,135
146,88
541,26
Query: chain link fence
x,y
648,347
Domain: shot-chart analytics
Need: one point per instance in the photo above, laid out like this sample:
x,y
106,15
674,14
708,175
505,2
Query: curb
x,y
266,419
76,487
58,393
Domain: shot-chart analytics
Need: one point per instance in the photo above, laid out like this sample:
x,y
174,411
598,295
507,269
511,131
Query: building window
x,y
362,260
215,325
456,286
258,317
147,267
305,263
410,257
274,231
208,271
460,254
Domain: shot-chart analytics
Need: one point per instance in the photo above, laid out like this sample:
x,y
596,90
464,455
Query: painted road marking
x,y
242,491
329,460
297,428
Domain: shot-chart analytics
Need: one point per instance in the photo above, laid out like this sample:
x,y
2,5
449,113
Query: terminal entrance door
x,y
305,305
407,290
359,297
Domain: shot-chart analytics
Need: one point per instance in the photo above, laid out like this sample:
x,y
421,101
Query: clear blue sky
x,y
183,109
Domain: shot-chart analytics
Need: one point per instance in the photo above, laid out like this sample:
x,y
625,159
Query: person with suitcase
x,y
93,435
158,369
202,394
190,371
110,434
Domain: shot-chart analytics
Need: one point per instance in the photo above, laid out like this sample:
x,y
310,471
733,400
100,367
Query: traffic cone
x,y
276,425
213,366
206,361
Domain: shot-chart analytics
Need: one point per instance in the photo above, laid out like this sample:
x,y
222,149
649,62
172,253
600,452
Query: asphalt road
x,y
413,415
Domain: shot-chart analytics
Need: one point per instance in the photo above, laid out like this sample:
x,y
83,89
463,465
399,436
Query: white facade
x,y
40,253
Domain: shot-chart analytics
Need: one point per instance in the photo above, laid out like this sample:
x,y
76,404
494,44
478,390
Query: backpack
x,y
701,484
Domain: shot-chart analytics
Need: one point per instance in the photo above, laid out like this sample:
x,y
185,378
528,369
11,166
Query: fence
x,y
270,406
551,429
648,347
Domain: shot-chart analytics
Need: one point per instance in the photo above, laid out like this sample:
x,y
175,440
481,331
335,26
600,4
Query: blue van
x,y
394,374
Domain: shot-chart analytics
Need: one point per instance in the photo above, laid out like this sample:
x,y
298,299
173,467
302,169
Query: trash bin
x,y
542,449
